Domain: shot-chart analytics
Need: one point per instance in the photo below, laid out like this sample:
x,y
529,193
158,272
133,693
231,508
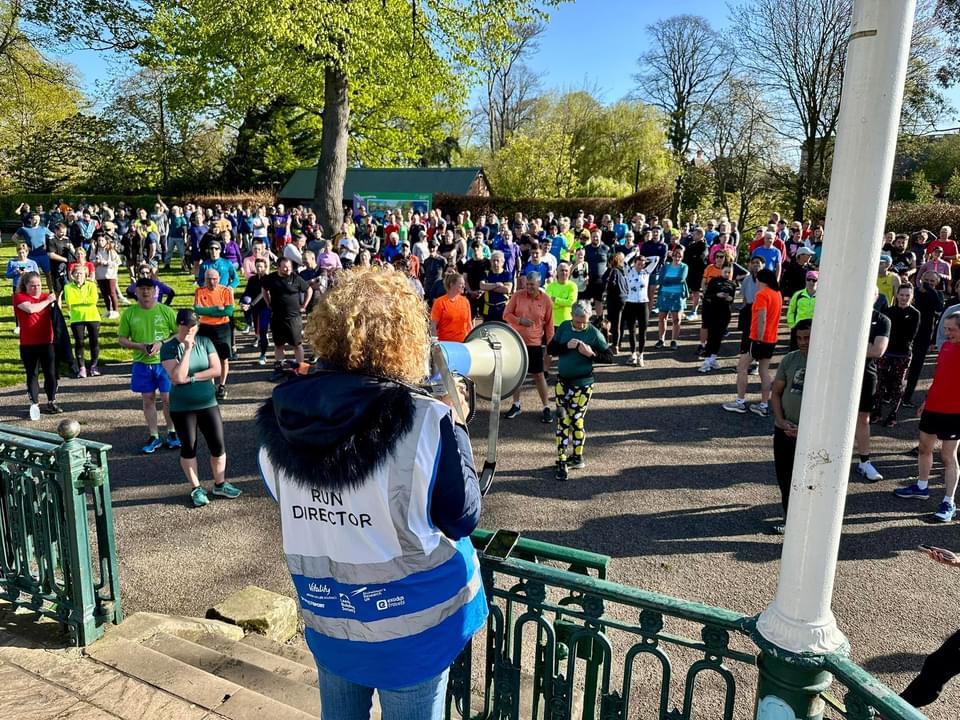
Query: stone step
x,y
245,674
298,653
269,661
219,697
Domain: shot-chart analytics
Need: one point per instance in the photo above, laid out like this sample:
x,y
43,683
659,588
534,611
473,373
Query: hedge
x,y
9,203
908,217
650,201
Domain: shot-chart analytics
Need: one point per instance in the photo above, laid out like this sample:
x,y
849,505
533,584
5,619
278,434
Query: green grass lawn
x,y
11,371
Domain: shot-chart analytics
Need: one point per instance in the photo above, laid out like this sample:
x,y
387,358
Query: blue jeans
x,y
343,700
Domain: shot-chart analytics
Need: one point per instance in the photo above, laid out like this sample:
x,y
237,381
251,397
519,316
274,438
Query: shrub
x,y
909,217
650,201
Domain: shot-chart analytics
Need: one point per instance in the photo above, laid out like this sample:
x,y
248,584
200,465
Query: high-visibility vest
x,y
388,601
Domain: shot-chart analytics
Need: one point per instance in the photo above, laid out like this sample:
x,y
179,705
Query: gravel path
x,y
676,491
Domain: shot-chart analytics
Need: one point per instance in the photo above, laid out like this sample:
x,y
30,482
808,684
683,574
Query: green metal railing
x,y
58,556
562,642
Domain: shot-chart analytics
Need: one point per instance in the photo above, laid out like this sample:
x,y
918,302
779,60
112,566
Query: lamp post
x,y
799,624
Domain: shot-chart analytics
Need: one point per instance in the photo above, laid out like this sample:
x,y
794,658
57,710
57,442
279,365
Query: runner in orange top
x,y
451,318
764,322
213,303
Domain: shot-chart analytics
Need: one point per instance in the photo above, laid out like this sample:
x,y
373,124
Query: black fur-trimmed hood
x,y
332,429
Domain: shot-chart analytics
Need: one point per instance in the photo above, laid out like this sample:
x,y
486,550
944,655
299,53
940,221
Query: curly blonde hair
x,y
372,322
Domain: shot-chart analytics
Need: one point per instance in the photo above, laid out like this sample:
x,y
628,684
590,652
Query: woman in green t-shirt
x,y
192,363
578,345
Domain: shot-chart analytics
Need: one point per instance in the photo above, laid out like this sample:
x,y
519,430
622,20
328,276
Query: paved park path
x,y
676,490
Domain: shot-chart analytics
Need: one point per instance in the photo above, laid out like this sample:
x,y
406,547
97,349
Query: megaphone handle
x,y
494,430
440,361
486,476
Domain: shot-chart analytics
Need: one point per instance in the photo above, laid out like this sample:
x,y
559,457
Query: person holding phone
x,y
143,328
192,362
378,495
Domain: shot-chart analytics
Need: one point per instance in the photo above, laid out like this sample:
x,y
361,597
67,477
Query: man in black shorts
x,y
287,295
876,347
597,255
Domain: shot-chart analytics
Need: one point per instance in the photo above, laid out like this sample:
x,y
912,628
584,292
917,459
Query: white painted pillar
x,y
800,618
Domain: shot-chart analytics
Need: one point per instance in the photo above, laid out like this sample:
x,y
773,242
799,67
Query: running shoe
x,y
869,472
172,442
227,491
701,351
547,416
221,392
761,409
34,411
692,317
94,371
262,360
715,364
776,529
640,359
561,471
577,464
153,444
706,367
658,344
513,412
634,360
737,406
199,497
754,369
53,408
673,344
16,329
946,511
914,492
82,372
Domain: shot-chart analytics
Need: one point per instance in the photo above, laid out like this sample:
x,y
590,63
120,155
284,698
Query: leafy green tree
x,y
379,73
942,156
952,189
921,189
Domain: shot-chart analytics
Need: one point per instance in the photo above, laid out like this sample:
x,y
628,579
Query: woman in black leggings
x,y
636,310
35,318
192,363
717,301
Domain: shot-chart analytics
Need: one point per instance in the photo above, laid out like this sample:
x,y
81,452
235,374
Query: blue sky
x,y
588,42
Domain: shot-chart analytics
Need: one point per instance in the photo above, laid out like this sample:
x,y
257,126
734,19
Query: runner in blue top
x,y
672,296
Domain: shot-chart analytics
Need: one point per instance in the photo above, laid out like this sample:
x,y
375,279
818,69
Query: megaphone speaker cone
x,y
513,355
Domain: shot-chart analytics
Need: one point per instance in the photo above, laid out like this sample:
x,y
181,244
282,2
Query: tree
x,y
577,146
952,189
743,145
681,73
921,189
509,84
387,92
802,72
942,156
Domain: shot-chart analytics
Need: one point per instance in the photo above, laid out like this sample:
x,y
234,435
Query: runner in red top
x,y
33,310
940,419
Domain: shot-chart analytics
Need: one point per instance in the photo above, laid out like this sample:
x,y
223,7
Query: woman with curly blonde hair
x,y
378,496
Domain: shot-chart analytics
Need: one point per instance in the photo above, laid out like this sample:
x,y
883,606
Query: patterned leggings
x,y
892,377
571,408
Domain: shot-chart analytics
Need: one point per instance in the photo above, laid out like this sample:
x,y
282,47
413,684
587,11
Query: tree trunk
x,y
677,197
332,166
804,180
164,145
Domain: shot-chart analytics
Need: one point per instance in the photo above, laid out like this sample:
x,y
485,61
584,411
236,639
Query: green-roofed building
x,y
389,182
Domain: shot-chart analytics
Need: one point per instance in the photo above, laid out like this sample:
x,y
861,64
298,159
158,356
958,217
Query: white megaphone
x,y
494,358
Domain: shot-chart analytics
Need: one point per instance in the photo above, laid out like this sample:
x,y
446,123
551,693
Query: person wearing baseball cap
x,y
801,305
887,282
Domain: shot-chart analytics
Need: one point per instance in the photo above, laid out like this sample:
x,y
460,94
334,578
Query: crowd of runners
x,y
578,290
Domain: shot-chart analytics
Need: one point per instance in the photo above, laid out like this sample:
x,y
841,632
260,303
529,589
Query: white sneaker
x,y
640,359
16,329
262,360
869,472
692,317
714,364
706,367
34,412
124,301
633,359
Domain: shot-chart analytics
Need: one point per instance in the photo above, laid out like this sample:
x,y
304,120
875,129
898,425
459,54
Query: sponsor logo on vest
x,y
393,602
316,588
346,605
